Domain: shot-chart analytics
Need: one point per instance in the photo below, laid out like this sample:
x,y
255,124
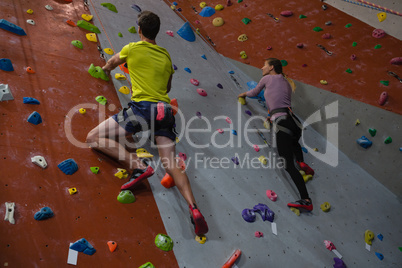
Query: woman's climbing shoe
x,y
200,225
137,176
306,168
301,204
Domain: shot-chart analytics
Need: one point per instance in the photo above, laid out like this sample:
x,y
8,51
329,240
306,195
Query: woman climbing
x,y
288,129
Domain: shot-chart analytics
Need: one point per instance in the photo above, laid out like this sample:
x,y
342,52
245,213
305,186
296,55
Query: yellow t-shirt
x,y
150,68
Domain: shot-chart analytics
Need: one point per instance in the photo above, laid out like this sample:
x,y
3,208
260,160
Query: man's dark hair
x,y
149,23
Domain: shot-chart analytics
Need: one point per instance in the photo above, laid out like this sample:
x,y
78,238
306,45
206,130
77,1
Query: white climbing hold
x,y
39,160
10,212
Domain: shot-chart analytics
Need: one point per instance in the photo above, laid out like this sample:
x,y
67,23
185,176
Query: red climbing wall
x,y
62,85
369,68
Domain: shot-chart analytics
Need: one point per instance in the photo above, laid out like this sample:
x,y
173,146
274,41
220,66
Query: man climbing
x,y
150,69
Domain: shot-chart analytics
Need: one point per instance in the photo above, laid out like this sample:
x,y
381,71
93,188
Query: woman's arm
x,y
255,91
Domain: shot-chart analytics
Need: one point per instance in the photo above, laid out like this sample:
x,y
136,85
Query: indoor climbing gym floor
x,y
61,201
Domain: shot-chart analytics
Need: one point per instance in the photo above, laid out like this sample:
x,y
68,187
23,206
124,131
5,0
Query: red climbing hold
x,y
202,92
71,23
286,13
396,61
194,82
326,36
383,98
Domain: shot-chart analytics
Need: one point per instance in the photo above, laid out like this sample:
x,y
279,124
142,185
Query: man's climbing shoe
x,y
137,176
308,170
301,204
200,225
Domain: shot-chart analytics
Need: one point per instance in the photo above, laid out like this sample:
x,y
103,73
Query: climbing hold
x,y
132,29
228,120
243,55
326,36
35,118
120,34
295,211
109,51
82,245
378,33
324,7
304,149
396,61
173,7
246,20
92,37
201,239
256,148
286,13
87,17
147,265
315,149
187,70
82,111
354,44
219,7
377,46
349,70
110,6
388,140
325,206
357,122
242,38
353,57
317,29
220,86
339,263
121,173
207,12
242,101
72,191
323,82
329,245
39,160
266,213
204,57
77,43
302,17
263,160
175,105
380,256
218,21
183,156
119,76
203,4
364,142
68,167
177,140
164,242
383,98
194,82
234,132
368,237
143,153
136,8
29,100
248,112
381,16
348,25
87,26
6,65
258,234
8,26
304,65
235,160
126,197
168,32
328,23
248,215
32,22
202,92
372,131
49,7
198,114
95,170
269,47
10,212
43,214
272,195
112,245
102,100
306,177
29,11
124,90
284,63
220,130
384,82
71,23
380,237
97,72
300,45
167,181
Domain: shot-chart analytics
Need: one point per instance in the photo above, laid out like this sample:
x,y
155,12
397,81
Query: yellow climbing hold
x,y
142,153
92,37
82,111
357,122
72,191
197,31
295,211
29,11
87,17
323,82
368,237
315,149
219,7
306,177
121,173
177,140
119,76
242,101
109,51
382,16
201,239
242,38
267,125
325,206
124,90
218,21
263,160
203,4
173,7
243,55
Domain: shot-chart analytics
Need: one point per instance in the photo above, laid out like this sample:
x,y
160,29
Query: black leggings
x,y
288,148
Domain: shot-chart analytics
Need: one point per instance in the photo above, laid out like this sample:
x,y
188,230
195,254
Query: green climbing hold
x,y
400,248
126,197
94,170
384,82
348,25
132,29
164,242
354,44
87,26
372,131
77,43
302,17
102,100
388,140
120,34
318,29
147,265
284,63
109,6
349,71
377,47
246,20
239,1
97,72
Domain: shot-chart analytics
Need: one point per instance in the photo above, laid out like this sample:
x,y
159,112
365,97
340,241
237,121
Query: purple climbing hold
x,y
137,8
364,142
248,215
339,263
198,114
219,85
235,160
248,112
174,67
265,212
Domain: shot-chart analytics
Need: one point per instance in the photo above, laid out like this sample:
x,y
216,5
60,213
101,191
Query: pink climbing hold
x,y
220,130
168,32
300,45
197,22
353,57
183,156
396,61
202,92
383,98
258,234
269,47
194,82
229,3
286,13
272,195
228,120
326,36
378,33
256,148
329,245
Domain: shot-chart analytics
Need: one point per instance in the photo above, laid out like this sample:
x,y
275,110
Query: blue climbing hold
x,y
400,149
204,57
29,100
251,85
207,12
364,142
231,72
69,166
175,3
35,118
304,150
234,132
82,245
380,236
6,65
186,32
43,214
8,26
187,70
379,255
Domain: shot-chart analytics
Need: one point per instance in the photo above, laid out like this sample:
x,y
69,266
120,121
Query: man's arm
x,y
112,63
169,84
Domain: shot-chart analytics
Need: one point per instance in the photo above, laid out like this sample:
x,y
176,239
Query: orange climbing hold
x,y
71,23
124,68
229,263
112,245
167,181
30,70
175,106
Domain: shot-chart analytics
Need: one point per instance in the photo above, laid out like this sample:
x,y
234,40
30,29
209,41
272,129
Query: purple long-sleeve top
x,y
277,93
